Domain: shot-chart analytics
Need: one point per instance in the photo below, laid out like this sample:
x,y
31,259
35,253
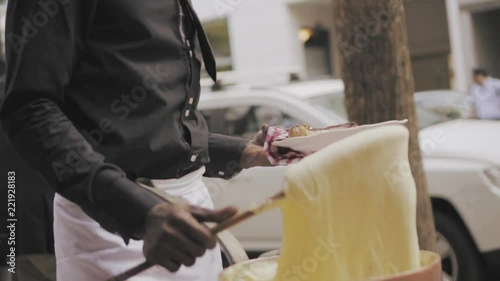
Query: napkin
x,y
279,156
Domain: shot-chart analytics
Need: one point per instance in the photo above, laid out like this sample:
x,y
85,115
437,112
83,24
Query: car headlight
x,y
492,176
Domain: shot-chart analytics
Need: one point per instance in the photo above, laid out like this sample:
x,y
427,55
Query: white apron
x,y
86,252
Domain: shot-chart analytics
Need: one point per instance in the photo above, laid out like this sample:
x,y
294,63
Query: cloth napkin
x,y
280,156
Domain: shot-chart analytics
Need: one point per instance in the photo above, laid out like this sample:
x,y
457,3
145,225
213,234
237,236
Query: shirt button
x,y
191,100
186,113
221,173
193,158
190,53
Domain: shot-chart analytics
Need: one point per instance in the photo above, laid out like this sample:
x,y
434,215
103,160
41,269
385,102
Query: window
x,y
317,51
218,33
330,104
245,121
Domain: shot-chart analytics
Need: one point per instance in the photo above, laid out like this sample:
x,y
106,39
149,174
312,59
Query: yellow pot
x,y
263,269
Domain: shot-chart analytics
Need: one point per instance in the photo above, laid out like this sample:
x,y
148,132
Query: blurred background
x,y
447,38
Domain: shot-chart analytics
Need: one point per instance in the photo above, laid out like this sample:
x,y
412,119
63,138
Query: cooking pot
x,y
264,269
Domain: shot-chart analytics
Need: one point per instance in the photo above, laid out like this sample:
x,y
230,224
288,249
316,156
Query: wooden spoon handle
x,y
236,219
131,272
216,229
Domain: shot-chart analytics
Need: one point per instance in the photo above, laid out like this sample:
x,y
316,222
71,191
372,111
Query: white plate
x,y
311,144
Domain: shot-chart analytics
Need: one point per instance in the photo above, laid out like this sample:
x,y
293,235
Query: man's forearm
x,y
39,71
43,135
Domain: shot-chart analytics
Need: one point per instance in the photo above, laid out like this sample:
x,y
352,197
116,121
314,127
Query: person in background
x,y
485,96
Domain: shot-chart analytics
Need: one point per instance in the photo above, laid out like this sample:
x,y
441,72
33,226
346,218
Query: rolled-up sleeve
x,y
43,42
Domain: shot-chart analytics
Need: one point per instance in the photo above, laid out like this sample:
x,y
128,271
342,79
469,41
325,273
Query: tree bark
x,y
378,77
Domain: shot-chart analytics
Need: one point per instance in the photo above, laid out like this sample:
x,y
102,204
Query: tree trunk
x,y
376,70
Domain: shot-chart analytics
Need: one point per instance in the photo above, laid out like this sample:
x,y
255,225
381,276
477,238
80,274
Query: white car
x,y
461,160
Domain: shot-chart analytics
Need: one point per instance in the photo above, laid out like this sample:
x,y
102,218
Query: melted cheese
x,y
350,212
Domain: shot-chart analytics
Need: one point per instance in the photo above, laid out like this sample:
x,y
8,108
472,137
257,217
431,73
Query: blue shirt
x,y
486,99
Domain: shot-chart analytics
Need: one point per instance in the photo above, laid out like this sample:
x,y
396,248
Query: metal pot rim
x,y
429,271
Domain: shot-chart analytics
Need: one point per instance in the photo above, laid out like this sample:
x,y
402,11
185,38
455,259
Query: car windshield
x,y
440,106
431,107
330,104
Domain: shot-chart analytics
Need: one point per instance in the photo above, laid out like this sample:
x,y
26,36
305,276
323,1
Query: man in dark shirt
x,y
33,200
99,93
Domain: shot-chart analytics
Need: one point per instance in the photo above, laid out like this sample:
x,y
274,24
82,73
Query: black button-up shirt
x,y
100,92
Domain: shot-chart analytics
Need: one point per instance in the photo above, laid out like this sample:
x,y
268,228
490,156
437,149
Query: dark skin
x,y
176,234
254,155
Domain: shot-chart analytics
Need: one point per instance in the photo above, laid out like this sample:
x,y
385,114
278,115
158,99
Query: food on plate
x,y
298,131
304,130
349,213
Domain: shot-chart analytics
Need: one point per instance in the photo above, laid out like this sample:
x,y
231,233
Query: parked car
x,y
461,160
434,107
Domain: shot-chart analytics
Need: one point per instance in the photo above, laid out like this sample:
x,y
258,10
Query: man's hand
x,y
175,234
254,154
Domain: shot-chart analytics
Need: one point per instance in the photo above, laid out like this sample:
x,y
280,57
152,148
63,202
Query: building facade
x,y
474,35
447,38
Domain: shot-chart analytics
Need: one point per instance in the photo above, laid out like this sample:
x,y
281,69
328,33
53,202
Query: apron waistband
x,y
182,186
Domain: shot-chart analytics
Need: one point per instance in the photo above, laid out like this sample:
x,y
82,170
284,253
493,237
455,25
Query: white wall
x,y
469,54
264,33
262,36
458,49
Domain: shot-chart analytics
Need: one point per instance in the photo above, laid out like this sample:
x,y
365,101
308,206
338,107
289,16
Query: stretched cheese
x,y
349,215
350,212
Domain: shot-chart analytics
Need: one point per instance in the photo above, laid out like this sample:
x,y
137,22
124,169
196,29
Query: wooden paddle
x,y
269,204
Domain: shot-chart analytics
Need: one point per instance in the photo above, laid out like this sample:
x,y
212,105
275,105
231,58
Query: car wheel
x,y
459,256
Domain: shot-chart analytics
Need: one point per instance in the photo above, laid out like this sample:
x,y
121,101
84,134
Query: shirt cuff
x,y
225,154
122,205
